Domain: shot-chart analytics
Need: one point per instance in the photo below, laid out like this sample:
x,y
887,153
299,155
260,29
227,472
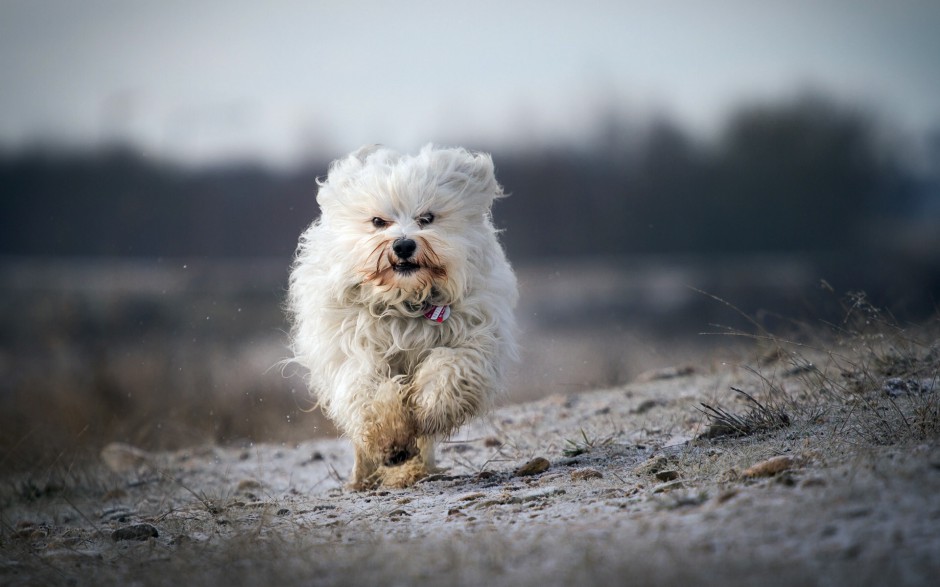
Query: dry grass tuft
x,y
874,379
586,444
760,418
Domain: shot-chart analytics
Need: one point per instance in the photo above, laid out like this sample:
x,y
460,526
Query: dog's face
x,y
408,230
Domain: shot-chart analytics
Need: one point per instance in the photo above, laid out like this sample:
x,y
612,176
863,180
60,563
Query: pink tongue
x,y
437,313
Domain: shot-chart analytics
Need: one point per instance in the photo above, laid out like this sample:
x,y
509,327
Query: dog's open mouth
x,y
405,267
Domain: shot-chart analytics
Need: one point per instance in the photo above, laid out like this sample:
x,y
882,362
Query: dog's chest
x,y
417,333
405,341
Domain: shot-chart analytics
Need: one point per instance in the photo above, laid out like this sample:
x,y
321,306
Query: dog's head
x,y
409,229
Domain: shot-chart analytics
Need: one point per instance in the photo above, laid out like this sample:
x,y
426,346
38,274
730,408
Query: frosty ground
x,y
641,487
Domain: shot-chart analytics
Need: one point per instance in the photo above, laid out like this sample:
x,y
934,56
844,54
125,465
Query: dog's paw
x,y
397,453
364,484
392,440
404,475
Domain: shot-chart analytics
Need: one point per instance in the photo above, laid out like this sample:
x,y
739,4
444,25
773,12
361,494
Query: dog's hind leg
x,y
426,452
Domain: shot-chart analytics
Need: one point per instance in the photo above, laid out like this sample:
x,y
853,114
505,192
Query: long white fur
x,y
358,327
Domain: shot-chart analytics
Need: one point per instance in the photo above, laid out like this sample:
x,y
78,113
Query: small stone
x,y
471,496
502,500
533,467
664,487
669,475
652,465
135,532
768,468
582,474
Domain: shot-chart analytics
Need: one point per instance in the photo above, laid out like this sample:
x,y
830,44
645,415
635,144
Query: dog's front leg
x,y
387,434
451,386
365,469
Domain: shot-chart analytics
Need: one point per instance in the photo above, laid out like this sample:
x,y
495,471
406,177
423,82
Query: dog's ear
x,y
362,153
345,170
471,173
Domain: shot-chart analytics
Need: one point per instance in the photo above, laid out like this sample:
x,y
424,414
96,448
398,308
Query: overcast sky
x,y
202,81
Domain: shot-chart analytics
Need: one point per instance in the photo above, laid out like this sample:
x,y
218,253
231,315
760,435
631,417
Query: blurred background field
x,y
157,166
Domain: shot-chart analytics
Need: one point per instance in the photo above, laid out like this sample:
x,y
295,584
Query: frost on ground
x,y
641,486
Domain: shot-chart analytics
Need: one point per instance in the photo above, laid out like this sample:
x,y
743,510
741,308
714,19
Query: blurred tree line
x,y
802,175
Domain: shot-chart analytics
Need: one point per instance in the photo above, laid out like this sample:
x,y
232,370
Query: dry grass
x,y
873,379
584,445
760,418
91,357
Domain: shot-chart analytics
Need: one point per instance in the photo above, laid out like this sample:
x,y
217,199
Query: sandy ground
x,y
630,495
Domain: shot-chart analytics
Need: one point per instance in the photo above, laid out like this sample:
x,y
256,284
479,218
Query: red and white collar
x,y
436,313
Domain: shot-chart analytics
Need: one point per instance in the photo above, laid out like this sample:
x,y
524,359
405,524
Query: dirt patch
x,y
816,462
610,486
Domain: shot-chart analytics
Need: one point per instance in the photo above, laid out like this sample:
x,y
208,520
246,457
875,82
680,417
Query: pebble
x,y
582,474
471,496
533,467
669,475
770,467
652,465
536,495
135,532
664,487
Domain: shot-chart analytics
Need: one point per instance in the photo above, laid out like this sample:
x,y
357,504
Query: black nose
x,y
404,248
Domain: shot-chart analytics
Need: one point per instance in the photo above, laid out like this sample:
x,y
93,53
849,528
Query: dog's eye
x,y
379,223
425,219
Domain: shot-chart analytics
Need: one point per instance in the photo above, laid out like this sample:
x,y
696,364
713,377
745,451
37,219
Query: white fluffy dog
x,y
401,299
